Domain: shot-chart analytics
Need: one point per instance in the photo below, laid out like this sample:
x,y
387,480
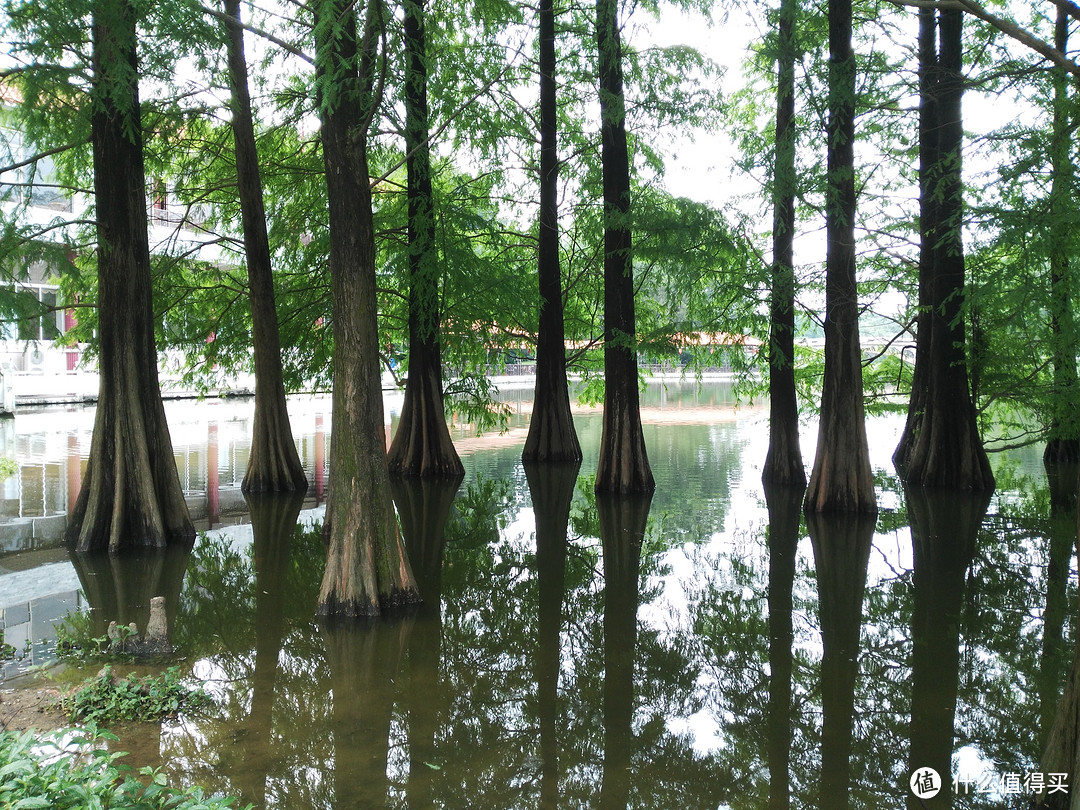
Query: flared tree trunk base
x,y
131,495
948,452
274,464
422,446
552,436
623,466
783,462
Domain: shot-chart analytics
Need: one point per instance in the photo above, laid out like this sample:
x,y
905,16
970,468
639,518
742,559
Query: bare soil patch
x,y
31,706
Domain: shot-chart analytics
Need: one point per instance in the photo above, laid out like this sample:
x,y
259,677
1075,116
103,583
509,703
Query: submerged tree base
x,y
333,608
1062,451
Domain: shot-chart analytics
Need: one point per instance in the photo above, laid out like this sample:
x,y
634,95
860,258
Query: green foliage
x,y
76,642
59,772
107,698
7,652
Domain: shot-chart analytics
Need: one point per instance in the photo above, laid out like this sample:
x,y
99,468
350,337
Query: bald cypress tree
x,y
783,462
274,464
947,450
624,464
552,436
131,494
367,569
841,480
422,445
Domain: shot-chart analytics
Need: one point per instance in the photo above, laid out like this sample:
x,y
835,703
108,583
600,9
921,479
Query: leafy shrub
x,y
7,652
75,640
107,698
61,773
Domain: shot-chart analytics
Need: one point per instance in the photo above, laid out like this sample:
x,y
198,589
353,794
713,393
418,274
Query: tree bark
x,y
928,166
552,436
367,569
783,461
623,466
131,494
422,445
274,464
948,451
1064,443
841,480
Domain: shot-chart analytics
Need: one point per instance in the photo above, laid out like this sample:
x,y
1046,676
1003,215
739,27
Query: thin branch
x,y
221,16
1007,27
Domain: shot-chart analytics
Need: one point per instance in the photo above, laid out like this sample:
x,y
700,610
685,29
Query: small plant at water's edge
x,y
75,641
107,698
7,652
61,773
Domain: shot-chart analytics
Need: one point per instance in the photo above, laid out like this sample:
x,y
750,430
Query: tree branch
x,y
1007,27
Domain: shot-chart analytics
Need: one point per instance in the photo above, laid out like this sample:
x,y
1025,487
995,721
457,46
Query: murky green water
x,y
703,648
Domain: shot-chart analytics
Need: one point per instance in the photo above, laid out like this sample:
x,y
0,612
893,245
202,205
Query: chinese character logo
x,y
925,783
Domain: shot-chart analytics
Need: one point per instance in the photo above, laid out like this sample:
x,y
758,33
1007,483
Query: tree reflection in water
x,y
785,511
841,544
622,529
944,529
551,489
119,587
424,507
559,671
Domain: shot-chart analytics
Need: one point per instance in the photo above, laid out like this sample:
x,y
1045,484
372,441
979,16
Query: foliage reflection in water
x,y
706,649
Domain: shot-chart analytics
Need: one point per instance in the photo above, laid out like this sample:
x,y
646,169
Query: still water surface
x,y
703,648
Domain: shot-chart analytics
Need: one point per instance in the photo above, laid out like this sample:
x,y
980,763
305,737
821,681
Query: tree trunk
x,y
944,529
1064,443
130,494
841,480
948,451
552,436
783,503
367,569
783,462
422,445
274,464
841,555
623,466
928,216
